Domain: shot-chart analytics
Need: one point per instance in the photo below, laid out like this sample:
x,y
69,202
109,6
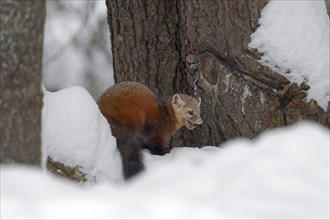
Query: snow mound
x,y
76,134
284,173
294,37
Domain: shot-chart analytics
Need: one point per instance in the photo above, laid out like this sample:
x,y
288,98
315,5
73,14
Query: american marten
x,y
139,121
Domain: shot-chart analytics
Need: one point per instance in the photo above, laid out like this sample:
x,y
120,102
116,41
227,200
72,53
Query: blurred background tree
x,y
327,3
21,36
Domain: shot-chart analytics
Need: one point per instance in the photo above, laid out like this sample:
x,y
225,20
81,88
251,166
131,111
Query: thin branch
x,y
72,40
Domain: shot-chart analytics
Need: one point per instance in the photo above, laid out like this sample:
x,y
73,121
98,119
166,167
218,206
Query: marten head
x,y
187,110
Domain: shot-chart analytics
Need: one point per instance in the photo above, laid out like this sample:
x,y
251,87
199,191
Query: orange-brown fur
x,y
138,120
133,106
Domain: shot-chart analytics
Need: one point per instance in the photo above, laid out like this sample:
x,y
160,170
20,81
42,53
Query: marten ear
x,y
199,101
177,102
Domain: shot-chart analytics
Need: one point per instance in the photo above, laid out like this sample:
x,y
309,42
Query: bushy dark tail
x,y
131,158
130,150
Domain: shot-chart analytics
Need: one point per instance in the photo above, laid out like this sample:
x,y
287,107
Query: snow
x,y
283,173
294,37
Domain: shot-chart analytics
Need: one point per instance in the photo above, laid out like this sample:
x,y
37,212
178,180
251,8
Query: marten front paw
x,y
159,151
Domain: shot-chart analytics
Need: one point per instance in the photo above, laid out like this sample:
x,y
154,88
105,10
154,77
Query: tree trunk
x,y
21,36
201,47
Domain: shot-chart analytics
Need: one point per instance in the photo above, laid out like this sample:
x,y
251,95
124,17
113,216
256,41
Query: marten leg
x,y
130,150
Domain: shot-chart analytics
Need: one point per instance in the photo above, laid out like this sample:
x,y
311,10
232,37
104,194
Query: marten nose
x,y
199,121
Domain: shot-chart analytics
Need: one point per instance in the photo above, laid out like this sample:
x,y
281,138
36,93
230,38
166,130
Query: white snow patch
x,y
294,36
283,174
76,134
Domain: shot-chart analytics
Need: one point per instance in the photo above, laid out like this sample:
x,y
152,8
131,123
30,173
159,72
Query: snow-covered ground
x,y
295,39
284,173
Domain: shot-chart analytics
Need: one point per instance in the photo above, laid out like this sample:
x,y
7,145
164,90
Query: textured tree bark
x,y
21,36
144,42
201,47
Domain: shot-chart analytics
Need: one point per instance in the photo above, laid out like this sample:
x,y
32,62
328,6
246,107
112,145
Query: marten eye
x,y
190,112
